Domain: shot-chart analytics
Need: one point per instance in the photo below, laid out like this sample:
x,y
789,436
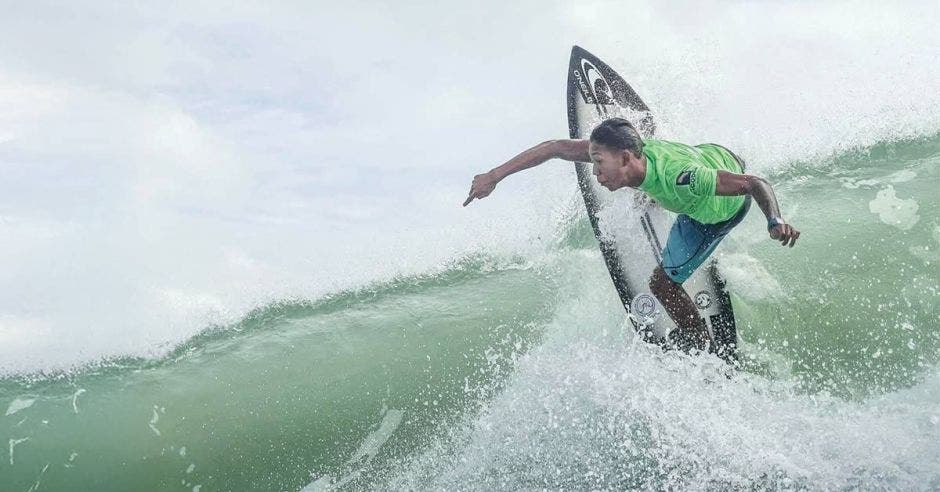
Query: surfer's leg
x,y
690,243
692,330
686,240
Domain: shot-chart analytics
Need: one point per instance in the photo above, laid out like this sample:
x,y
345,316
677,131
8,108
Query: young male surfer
x,y
704,184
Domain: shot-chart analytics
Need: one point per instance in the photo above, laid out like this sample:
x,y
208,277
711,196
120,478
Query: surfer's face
x,y
608,165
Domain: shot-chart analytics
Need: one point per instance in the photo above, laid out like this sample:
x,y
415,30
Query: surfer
x,y
705,184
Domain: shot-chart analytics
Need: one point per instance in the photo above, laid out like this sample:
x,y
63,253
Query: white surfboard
x,y
630,227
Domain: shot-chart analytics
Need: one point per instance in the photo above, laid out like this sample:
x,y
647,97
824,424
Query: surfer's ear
x,y
625,156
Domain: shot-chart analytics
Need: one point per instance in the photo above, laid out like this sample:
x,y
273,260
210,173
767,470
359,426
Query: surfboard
x,y
632,229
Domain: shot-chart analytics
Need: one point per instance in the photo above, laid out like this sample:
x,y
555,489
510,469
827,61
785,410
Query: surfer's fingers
x,y
473,193
796,235
470,197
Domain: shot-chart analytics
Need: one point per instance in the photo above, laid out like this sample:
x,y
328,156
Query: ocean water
x,y
521,372
394,341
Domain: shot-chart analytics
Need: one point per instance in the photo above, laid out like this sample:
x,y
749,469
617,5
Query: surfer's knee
x,y
659,281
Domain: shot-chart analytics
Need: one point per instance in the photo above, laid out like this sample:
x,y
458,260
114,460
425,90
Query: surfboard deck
x,y
631,229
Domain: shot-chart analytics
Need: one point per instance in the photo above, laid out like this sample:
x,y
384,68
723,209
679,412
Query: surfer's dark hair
x,y
618,133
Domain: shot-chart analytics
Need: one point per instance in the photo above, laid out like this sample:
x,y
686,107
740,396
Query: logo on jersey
x,y
684,178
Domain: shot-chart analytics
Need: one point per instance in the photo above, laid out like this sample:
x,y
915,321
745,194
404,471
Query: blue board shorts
x,y
691,242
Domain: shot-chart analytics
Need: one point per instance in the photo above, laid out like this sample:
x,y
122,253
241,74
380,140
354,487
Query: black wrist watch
x,y
774,222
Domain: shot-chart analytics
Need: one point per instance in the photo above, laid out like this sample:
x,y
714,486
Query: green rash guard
x,y
682,179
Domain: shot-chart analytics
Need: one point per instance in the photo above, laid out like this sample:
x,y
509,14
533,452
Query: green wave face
x,y
855,313
286,393
520,373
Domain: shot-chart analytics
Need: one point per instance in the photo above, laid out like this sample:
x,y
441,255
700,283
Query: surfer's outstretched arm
x,y
569,150
730,184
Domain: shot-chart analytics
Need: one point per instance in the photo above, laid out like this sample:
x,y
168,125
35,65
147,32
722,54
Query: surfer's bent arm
x,y
730,184
569,150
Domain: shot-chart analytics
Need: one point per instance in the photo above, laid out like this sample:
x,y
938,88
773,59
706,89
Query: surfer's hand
x,y
785,233
483,185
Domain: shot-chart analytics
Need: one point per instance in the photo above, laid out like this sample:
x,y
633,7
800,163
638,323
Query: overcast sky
x,y
213,107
